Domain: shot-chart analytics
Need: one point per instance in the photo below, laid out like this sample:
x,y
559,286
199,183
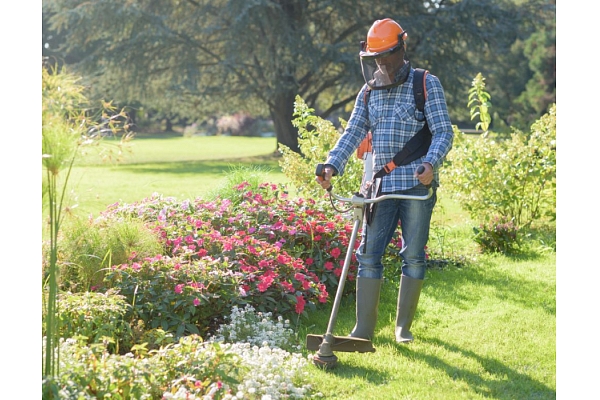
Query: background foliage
x,y
193,60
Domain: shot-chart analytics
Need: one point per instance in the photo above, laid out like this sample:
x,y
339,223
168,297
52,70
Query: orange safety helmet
x,y
384,39
384,35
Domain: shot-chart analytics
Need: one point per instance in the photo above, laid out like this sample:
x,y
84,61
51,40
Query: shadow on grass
x,y
498,381
462,288
447,286
209,167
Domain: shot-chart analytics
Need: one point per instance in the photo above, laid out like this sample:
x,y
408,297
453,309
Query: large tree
x,y
196,58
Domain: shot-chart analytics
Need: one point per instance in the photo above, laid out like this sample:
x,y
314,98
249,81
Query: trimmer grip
x,y
420,170
320,172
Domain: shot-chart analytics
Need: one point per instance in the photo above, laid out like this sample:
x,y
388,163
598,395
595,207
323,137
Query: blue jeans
x,y
415,217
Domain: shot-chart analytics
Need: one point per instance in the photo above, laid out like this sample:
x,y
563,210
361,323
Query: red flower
x,y
265,281
335,252
300,277
300,302
287,286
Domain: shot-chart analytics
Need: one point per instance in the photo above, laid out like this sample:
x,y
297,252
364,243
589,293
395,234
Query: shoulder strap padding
x,y
420,87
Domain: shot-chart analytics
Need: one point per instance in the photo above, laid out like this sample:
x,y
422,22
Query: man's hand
x,y
325,181
426,177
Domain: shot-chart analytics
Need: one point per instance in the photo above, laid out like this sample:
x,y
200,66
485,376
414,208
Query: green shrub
x,y
89,247
515,178
175,295
95,318
251,176
498,235
316,137
191,368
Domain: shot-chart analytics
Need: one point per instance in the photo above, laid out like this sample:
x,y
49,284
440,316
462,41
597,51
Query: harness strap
x,y
419,144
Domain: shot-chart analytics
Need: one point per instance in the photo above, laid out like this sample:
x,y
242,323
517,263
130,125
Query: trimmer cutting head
x,y
326,344
347,344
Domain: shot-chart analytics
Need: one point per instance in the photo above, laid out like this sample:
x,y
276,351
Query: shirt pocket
x,y
404,112
376,117
405,123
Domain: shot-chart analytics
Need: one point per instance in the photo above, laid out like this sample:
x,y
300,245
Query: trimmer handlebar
x,y
358,199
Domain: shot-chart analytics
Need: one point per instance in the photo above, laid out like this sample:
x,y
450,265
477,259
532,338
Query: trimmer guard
x,y
341,343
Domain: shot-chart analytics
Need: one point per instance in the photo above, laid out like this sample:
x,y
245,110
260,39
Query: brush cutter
x,y
326,344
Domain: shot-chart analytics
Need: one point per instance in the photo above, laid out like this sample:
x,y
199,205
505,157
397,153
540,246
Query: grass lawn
x,y
180,167
483,331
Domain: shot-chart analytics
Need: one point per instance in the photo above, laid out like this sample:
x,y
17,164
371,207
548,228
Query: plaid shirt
x,y
393,119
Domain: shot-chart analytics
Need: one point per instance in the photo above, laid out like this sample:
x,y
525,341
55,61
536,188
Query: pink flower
x,y
283,259
251,250
300,302
136,266
322,293
202,252
265,282
277,225
196,302
328,265
335,252
287,286
179,288
309,261
242,186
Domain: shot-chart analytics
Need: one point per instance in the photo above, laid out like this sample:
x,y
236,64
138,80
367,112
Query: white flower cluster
x,y
257,328
271,372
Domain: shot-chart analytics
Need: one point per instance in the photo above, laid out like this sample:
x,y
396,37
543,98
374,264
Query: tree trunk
x,y
282,112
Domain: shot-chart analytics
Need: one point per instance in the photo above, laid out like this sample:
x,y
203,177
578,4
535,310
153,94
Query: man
x,y
390,113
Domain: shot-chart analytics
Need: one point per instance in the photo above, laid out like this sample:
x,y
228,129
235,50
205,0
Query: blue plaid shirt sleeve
x,y
438,119
355,132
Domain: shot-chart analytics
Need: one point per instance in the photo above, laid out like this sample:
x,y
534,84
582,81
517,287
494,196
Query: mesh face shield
x,y
380,70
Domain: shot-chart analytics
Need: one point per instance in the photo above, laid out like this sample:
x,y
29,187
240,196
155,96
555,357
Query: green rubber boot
x,y
408,297
367,303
